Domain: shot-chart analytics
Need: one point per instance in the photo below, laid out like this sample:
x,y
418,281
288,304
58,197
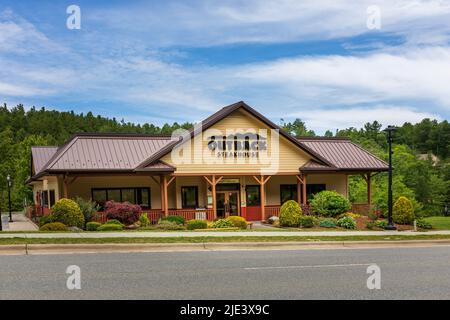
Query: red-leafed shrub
x,y
125,212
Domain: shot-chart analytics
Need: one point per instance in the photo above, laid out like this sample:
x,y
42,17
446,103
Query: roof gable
x,y
40,156
223,113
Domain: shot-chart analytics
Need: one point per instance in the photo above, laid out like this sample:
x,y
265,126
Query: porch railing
x,y
155,214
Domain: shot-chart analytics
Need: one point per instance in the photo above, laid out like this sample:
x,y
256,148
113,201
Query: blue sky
x,y
165,61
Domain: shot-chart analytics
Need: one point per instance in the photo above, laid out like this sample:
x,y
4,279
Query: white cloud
x,y
206,23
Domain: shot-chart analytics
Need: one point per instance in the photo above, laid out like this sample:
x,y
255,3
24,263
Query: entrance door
x,y
227,203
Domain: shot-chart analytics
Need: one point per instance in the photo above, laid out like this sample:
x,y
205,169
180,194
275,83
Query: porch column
x,y
262,182
304,189
65,186
368,178
213,182
299,190
165,194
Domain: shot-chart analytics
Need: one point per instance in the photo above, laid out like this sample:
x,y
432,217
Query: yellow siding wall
x,y
290,156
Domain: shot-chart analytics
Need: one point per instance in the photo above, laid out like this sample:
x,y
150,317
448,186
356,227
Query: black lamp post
x,y
8,179
390,225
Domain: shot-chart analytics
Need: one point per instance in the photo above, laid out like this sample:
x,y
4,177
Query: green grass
x,y
439,223
7,241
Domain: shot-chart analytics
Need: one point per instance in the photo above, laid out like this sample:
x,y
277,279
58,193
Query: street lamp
x,y
8,179
390,225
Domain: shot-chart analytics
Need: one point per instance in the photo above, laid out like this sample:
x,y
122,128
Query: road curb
x,y
211,246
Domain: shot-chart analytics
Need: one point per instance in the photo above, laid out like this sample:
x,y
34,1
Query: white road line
x,y
312,266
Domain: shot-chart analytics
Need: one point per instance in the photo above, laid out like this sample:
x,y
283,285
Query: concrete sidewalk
x,y
20,223
189,234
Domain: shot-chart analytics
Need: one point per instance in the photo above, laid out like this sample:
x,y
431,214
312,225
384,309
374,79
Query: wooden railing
x,y
155,214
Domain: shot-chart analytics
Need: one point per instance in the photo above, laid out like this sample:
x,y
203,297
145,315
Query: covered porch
x,y
252,196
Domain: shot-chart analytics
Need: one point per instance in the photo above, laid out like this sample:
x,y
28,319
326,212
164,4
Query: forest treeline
x,y
421,151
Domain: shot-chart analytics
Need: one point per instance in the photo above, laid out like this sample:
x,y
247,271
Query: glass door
x,y
220,204
227,203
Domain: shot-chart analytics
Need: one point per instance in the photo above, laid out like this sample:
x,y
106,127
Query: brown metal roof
x,y
105,152
342,154
41,155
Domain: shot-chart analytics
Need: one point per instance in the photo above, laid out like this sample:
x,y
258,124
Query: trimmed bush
x,y
54,226
144,220
114,221
110,227
222,223
238,222
88,208
290,214
328,223
423,224
307,221
381,223
403,211
329,204
372,216
125,212
176,219
169,225
68,212
196,224
92,226
370,225
347,223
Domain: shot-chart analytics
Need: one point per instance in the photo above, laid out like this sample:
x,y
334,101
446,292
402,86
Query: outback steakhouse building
x,y
206,173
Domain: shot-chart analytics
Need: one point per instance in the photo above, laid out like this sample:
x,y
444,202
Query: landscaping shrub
x,y
307,221
329,204
110,227
46,219
372,216
68,212
92,226
290,214
176,219
114,221
169,225
381,223
144,220
222,223
347,223
403,211
125,212
370,225
423,224
54,226
196,224
88,208
328,223
238,222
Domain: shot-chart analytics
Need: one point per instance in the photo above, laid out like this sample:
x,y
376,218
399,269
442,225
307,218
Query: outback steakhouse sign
x,y
239,145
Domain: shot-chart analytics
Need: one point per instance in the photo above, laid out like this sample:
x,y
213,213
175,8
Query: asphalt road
x,y
406,273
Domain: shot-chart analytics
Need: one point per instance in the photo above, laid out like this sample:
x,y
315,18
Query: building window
x,y
312,189
44,199
288,192
253,196
140,196
189,197
52,198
